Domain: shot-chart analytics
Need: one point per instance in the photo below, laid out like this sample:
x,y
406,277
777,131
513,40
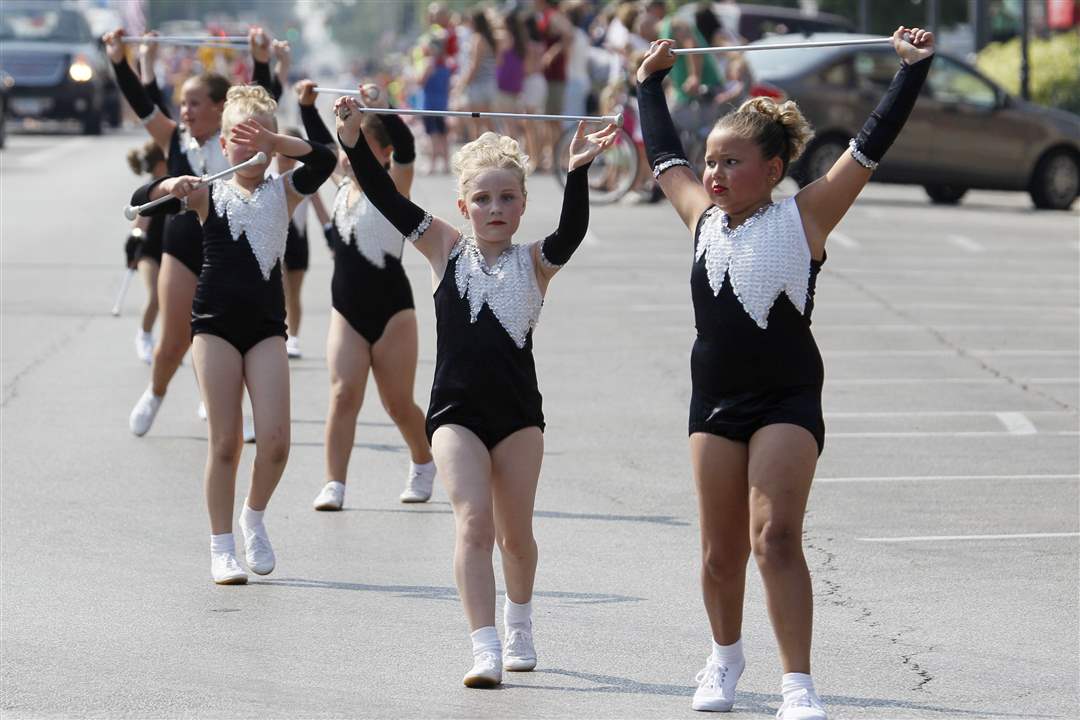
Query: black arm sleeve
x,y
133,90
573,221
317,167
401,138
314,126
886,121
153,91
142,196
260,75
662,145
410,219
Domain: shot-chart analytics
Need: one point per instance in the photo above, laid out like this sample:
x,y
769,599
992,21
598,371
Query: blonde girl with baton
x,y
485,419
756,427
238,314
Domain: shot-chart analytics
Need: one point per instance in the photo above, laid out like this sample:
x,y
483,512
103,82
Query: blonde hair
x,y
779,130
490,151
248,101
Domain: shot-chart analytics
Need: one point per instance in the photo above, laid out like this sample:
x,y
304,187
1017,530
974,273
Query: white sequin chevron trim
x,y
667,165
860,157
764,256
363,227
263,217
509,288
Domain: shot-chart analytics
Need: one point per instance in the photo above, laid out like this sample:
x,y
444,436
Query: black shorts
x,y
297,252
738,416
183,240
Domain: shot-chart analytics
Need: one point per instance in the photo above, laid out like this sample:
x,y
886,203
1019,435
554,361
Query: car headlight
x,y
80,71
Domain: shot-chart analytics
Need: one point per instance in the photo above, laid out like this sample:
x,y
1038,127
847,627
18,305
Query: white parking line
x,y
844,240
1016,423
938,413
949,538
943,478
965,243
940,434
950,353
952,381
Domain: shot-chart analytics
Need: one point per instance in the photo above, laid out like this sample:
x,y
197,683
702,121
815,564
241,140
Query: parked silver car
x,y
965,132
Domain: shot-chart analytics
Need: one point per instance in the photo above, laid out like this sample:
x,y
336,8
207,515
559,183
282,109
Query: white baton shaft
x,y
123,291
176,39
133,211
617,119
778,46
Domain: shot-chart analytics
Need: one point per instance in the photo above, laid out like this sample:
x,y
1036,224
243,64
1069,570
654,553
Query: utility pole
x,y
978,12
932,16
1025,69
864,16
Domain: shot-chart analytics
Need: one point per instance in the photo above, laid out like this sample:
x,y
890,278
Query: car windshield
x,y
45,24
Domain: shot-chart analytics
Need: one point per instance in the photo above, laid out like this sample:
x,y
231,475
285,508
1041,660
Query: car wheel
x,y
91,123
1056,181
945,194
819,158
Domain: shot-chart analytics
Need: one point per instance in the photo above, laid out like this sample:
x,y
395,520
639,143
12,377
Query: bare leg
x,y
781,468
515,466
465,469
294,279
349,357
266,371
393,362
721,477
220,370
176,291
148,269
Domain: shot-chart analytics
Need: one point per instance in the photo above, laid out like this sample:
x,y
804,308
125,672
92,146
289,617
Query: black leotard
x,y
754,362
151,244
183,237
297,250
369,285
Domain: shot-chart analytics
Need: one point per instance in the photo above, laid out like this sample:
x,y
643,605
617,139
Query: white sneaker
x,y
292,346
144,412
486,671
802,705
419,485
201,410
331,497
144,346
225,570
519,655
716,686
249,429
257,549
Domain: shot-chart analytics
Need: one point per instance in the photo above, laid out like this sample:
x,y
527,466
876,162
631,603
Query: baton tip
x,y
260,157
131,212
619,120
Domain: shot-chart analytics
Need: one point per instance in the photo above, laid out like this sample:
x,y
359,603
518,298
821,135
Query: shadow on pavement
x,y
669,520
434,592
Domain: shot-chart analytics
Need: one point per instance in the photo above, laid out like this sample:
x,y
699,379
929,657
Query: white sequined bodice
x,y
262,216
365,228
766,255
509,288
205,159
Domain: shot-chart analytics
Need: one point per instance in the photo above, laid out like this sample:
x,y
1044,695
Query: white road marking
x,y
951,381
1016,423
843,240
948,353
965,243
938,413
939,434
950,538
946,478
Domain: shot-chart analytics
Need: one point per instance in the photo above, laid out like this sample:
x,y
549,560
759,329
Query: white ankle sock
x,y
517,614
424,467
150,392
793,682
252,518
485,638
222,543
730,655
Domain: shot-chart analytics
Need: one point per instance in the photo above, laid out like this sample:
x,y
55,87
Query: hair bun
x,y
788,116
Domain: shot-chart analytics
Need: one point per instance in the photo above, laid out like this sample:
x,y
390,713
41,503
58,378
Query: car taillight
x,y
764,89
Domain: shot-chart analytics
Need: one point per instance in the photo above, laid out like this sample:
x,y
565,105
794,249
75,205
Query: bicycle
x,y
613,172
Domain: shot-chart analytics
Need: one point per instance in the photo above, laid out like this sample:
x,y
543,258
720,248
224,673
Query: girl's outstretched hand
x,y
114,49
305,91
347,111
659,58
913,44
252,135
583,148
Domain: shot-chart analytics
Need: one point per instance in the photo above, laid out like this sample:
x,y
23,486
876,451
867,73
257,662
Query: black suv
x,y
57,68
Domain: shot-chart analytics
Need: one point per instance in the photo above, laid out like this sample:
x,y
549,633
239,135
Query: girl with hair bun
x,y
756,426
238,314
485,420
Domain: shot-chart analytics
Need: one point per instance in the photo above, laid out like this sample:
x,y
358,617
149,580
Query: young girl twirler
x,y
238,315
372,321
485,419
756,426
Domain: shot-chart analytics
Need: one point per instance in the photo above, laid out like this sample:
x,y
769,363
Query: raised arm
x,y
433,237
556,249
401,137
662,146
158,125
147,59
259,43
282,53
318,159
188,194
824,202
314,127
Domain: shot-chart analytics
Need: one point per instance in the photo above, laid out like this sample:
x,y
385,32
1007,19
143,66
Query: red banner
x,y
1061,14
